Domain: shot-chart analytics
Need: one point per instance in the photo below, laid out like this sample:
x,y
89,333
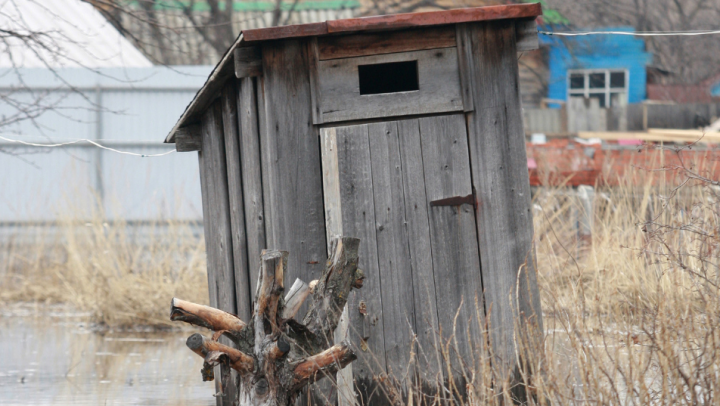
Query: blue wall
x,y
597,52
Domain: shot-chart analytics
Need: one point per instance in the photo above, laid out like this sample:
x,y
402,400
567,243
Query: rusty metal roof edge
x,y
214,75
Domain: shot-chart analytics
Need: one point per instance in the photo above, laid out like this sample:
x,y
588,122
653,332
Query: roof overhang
x,y
225,68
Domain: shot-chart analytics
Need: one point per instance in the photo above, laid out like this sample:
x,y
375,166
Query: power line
x,y
62,144
638,33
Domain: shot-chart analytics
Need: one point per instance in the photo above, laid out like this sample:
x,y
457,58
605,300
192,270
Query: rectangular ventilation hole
x,y
391,77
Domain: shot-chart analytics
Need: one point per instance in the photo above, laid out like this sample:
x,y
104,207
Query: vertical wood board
x,y
365,306
500,177
396,280
251,176
236,201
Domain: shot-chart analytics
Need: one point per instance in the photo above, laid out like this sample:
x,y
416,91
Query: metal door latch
x,y
456,201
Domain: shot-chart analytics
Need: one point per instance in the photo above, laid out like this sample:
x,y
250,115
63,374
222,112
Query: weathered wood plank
x,y
313,59
453,236
333,225
251,176
349,46
526,35
365,306
290,157
465,65
188,138
438,78
218,234
236,201
421,261
248,62
500,177
396,279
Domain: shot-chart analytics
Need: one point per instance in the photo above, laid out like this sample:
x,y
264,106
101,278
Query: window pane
x,y
600,97
577,81
597,80
617,79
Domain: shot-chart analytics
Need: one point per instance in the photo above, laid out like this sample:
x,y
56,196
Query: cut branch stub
x,y
286,355
206,316
332,290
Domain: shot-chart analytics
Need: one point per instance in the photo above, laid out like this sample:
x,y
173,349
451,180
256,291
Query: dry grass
x,y
632,315
124,275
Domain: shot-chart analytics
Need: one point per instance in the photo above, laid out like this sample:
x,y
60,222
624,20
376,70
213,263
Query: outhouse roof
x,y
225,68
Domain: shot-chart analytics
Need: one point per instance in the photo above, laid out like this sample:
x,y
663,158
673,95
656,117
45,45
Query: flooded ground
x,y
51,356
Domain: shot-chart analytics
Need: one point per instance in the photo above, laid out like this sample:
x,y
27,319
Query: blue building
x,y
611,68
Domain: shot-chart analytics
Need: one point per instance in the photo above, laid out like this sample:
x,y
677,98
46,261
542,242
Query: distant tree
x,y
688,59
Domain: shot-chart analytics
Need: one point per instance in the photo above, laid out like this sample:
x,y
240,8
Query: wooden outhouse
x,y
404,131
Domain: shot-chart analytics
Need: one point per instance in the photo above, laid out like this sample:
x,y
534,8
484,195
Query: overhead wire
x,y
63,144
629,33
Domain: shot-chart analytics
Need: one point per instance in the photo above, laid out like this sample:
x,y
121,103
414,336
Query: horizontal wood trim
x,y
248,62
286,31
349,46
339,96
188,138
461,15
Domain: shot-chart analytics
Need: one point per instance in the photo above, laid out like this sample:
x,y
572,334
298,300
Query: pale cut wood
x,y
339,95
291,168
453,235
237,204
526,35
248,62
349,46
365,307
500,178
396,280
418,232
295,297
251,175
465,65
218,236
188,138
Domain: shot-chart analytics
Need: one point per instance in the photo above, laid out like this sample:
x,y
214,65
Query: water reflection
x,y
50,357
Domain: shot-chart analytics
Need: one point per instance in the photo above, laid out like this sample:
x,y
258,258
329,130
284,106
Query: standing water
x,y
50,356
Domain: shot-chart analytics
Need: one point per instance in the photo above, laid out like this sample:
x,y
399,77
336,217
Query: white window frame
x,y
607,91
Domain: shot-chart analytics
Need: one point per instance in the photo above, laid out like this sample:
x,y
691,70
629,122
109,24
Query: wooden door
x,y
420,260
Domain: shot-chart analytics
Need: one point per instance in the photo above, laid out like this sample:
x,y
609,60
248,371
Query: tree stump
x,y
277,356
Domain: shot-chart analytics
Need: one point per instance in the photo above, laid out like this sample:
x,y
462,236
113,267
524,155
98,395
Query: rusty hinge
x,y
456,201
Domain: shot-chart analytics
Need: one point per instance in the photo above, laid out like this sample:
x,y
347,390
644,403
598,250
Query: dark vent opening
x,y
391,77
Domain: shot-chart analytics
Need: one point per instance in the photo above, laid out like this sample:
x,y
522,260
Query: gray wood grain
x,y
393,250
218,234
526,35
251,176
377,43
500,177
465,65
339,96
453,235
236,201
313,58
365,306
418,232
290,157
188,138
248,62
